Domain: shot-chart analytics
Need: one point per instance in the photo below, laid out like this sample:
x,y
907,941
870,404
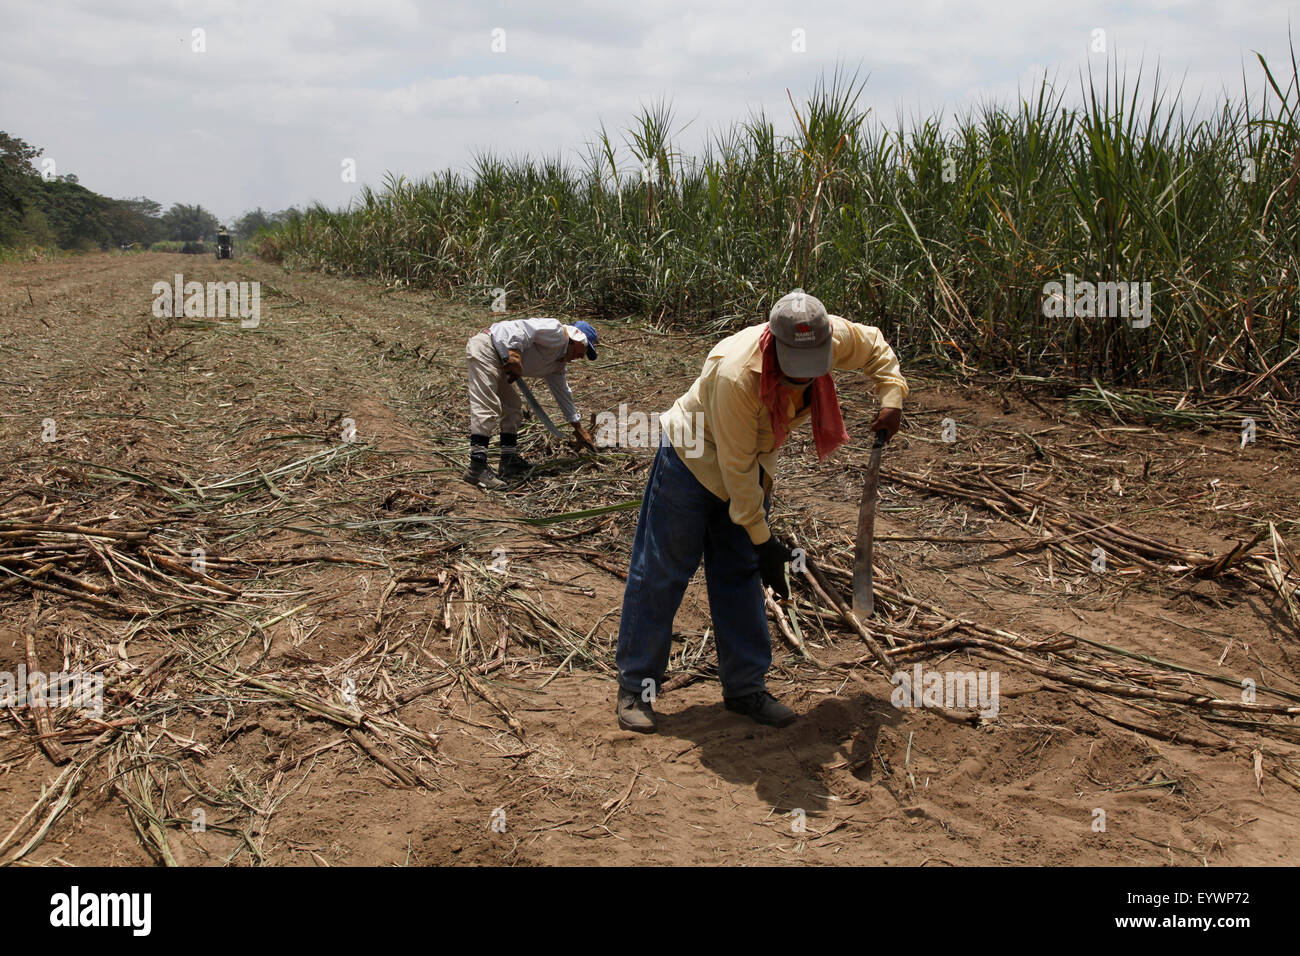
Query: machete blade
x,y
864,595
542,417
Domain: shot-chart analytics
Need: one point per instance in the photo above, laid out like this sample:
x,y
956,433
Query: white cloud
x,y
286,90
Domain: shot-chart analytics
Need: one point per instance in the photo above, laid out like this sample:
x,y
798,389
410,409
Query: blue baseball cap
x,y
587,329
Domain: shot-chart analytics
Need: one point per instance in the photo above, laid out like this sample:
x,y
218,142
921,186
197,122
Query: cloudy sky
x,y
283,92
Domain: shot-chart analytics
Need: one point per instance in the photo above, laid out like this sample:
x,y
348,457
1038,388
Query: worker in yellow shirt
x,y
708,494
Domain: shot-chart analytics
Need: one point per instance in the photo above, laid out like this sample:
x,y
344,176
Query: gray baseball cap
x,y
802,332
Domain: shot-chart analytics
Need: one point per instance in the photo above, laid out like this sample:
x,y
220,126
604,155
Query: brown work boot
x,y
763,707
634,713
481,475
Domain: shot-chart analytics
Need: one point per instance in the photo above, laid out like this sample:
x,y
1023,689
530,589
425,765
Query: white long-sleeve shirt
x,y
542,345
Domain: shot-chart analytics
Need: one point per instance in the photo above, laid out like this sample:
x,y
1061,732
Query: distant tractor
x,y
224,248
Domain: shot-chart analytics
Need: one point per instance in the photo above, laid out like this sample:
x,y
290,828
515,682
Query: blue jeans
x,y
681,522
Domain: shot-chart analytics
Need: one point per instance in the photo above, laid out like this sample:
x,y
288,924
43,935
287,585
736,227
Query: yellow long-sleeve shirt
x,y
723,433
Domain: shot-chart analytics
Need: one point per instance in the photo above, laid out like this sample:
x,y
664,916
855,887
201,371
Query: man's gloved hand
x,y
514,366
582,438
773,556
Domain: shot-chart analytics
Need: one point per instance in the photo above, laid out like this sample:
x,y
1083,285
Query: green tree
x,y
60,211
189,223
246,226
285,216
80,218
134,220
16,156
18,181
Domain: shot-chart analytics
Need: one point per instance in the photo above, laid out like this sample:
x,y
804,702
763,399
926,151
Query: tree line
x,y
58,212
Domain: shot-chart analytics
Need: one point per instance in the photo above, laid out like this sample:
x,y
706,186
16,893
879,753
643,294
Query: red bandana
x,y
827,421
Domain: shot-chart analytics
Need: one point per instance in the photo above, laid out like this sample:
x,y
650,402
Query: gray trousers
x,y
494,404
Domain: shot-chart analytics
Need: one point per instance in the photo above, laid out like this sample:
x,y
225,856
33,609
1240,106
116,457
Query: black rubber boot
x,y
634,713
513,465
763,707
480,474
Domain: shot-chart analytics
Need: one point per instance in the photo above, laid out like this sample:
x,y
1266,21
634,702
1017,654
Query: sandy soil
x,y
186,403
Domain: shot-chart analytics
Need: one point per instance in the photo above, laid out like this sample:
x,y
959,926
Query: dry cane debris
x,y
343,585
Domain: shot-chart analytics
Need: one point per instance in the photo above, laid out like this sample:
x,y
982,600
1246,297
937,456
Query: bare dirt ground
x,y
346,679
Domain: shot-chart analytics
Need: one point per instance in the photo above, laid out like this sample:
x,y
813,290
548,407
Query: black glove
x,y
773,556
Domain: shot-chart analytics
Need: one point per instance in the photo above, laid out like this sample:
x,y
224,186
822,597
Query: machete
x,y
542,417
864,595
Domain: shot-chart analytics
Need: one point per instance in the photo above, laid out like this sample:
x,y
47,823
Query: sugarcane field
x,y
812,489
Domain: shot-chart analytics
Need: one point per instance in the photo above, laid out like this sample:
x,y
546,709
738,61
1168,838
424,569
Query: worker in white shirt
x,y
498,357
